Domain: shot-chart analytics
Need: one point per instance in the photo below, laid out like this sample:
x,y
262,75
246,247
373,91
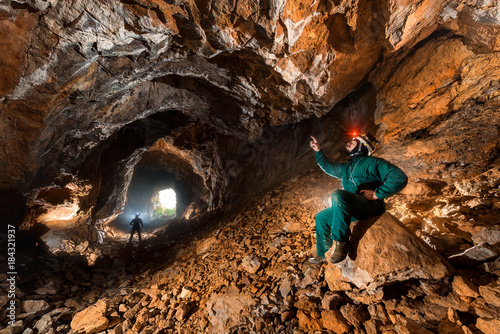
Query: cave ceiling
x,y
87,86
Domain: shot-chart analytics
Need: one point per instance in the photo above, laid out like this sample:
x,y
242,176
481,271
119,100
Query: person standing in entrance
x,y
136,227
366,181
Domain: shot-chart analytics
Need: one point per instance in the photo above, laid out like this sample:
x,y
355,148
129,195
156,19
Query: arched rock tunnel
x,y
103,104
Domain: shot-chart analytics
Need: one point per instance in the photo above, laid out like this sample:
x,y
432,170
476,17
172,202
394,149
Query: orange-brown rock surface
x,y
77,74
384,252
202,282
102,103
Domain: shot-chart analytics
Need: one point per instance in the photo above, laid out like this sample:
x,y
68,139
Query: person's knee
x,y
322,217
338,197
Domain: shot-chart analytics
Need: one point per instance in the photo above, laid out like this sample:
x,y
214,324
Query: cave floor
x,y
245,273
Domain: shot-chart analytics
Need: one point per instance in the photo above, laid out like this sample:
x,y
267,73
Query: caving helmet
x,y
366,144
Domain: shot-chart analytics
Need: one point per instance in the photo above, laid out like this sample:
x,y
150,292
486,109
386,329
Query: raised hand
x,y
314,144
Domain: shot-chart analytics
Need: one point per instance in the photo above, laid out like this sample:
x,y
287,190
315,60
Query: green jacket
x,y
365,172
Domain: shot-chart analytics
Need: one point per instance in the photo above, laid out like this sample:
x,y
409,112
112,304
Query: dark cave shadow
x,y
162,248
358,231
127,259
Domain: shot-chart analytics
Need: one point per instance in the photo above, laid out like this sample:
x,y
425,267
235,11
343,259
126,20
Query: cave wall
x,y
234,89
438,108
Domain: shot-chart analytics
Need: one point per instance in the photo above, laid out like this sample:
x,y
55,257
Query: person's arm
x,y
332,169
393,178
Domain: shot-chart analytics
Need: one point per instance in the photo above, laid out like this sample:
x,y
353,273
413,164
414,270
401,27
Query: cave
x,y
109,107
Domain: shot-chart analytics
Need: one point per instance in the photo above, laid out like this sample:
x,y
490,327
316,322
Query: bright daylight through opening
x,y
167,198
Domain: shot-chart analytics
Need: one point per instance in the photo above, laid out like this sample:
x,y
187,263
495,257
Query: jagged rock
x,y
286,285
464,287
4,300
71,302
82,247
15,329
451,300
294,227
48,289
479,183
204,245
378,312
491,293
182,311
475,255
482,309
309,321
408,326
186,293
492,267
131,313
452,209
141,320
489,235
452,324
223,310
311,276
377,260
334,321
371,326
44,324
412,309
330,301
114,319
153,293
92,319
488,326
33,306
365,296
352,315
250,263
335,280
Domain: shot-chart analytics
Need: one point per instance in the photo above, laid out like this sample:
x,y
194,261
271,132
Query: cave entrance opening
x,y
164,205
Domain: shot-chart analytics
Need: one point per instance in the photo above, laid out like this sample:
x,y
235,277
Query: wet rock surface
x,y
249,273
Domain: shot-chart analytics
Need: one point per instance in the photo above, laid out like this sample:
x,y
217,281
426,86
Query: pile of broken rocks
x,y
408,272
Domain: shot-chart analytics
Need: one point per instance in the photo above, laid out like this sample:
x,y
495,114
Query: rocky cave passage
x,y
104,103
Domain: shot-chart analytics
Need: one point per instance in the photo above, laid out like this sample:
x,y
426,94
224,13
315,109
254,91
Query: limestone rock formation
x,y
383,252
199,283
92,319
102,103
224,310
87,87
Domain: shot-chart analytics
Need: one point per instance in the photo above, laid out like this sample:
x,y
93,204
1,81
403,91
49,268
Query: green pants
x,y
332,224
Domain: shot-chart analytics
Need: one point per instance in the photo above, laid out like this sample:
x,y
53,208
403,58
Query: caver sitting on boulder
x,y
366,181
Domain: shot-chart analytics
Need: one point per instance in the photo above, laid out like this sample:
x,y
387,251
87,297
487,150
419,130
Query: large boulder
x,y
92,319
384,251
224,310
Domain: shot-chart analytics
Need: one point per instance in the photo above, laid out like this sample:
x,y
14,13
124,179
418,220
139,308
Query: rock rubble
x,y
248,273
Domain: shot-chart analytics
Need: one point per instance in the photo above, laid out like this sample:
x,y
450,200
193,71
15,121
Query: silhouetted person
x,y
136,226
366,181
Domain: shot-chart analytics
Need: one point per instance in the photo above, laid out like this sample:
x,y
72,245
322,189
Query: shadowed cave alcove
x,y
122,151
